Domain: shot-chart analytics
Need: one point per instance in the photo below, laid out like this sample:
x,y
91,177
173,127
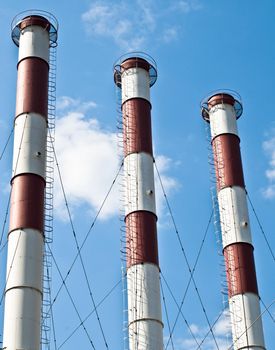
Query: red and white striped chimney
x,y
222,111
135,76
33,33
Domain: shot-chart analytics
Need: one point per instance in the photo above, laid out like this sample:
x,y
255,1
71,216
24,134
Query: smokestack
x,y
34,33
222,110
135,75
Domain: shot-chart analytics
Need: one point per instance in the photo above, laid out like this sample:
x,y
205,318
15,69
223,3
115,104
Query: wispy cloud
x,y
106,20
187,6
269,148
170,34
65,103
221,330
88,159
136,24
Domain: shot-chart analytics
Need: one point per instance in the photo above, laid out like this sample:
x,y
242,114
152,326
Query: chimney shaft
x,y
23,293
135,75
222,111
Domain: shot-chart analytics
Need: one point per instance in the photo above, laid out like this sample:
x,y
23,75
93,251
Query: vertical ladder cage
x,y
120,141
46,312
48,227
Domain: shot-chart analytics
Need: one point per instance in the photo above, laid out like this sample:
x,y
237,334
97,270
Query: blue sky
x,y
199,46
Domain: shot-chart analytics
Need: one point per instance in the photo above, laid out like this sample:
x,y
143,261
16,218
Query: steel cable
x,y
71,298
86,237
166,313
261,227
209,330
88,316
179,313
78,249
269,313
6,144
185,258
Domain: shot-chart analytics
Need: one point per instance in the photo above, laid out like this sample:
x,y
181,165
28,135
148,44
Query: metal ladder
x,y
217,221
46,312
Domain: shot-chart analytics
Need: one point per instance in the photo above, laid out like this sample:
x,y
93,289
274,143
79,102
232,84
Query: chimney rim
x,y
225,94
36,14
142,59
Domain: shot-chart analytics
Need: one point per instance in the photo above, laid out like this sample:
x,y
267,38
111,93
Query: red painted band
x,y
35,21
135,62
27,202
32,87
141,238
240,269
221,98
137,132
228,163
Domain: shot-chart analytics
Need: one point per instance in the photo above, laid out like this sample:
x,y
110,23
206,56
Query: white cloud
x,y
222,332
223,327
100,16
194,328
184,6
68,103
269,192
137,24
269,148
170,34
88,160
148,17
187,6
108,20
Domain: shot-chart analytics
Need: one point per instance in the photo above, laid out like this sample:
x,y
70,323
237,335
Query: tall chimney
x,y
34,33
135,75
222,110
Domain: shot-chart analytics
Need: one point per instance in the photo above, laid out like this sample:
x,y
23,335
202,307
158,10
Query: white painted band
x,y
246,321
139,183
24,261
235,225
135,82
223,120
29,154
144,294
22,319
144,335
34,42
